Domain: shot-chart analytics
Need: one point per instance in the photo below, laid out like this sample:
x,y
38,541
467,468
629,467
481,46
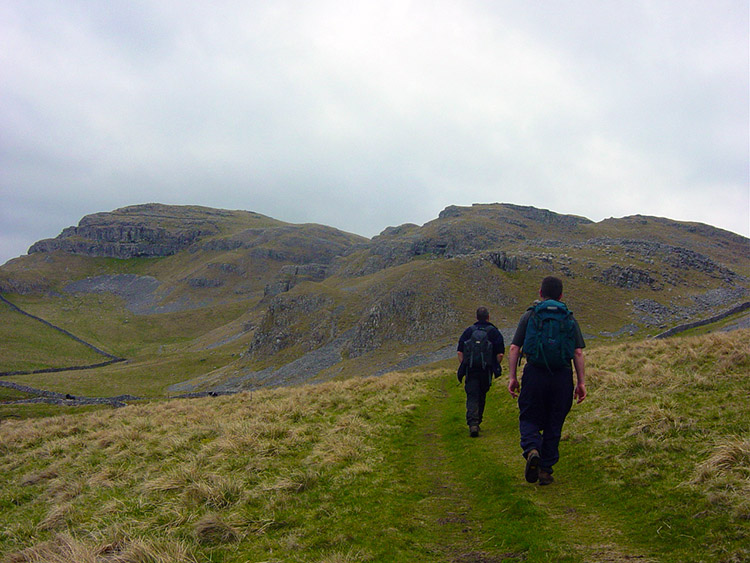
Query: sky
x,y
362,115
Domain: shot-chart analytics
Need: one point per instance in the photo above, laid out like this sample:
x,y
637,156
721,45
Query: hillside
x,y
199,299
655,467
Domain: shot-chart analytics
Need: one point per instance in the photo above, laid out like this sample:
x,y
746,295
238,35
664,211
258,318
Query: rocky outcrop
x,y
307,321
205,283
139,292
695,324
391,248
652,313
678,258
407,315
144,230
299,244
154,230
500,260
23,287
521,216
289,276
628,277
461,231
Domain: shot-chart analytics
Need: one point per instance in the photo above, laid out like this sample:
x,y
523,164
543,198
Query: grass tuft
x,y
724,476
729,458
211,528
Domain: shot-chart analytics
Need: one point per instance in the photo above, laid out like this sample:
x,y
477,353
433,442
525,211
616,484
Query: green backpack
x,y
550,335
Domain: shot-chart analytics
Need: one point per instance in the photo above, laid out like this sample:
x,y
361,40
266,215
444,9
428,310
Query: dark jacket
x,y
498,347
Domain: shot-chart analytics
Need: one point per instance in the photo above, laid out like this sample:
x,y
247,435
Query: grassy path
x,y
448,507
485,509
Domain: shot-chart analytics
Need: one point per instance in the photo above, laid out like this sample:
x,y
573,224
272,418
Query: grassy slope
x,y
160,349
30,345
655,467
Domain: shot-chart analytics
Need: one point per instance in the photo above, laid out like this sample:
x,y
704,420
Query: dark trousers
x,y
476,386
544,402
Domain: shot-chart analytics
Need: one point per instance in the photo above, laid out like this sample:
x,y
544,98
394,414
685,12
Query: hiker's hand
x,y
580,393
513,386
497,370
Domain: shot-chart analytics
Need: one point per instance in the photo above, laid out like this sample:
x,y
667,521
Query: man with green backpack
x,y
480,351
550,339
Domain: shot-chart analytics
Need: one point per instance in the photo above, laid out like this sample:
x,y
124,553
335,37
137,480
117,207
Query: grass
x,y
30,345
261,470
655,467
161,349
146,377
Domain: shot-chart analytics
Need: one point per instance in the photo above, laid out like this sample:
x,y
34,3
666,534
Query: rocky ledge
x,y
141,230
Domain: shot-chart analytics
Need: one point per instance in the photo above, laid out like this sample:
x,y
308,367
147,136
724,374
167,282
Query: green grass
x,y
40,410
160,349
655,467
103,321
28,344
7,394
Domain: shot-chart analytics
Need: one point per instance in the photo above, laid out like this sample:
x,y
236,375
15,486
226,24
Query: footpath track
x,y
486,508
448,503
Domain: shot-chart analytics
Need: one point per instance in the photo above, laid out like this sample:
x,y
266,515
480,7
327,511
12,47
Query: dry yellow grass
x,y
662,397
145,479
668,363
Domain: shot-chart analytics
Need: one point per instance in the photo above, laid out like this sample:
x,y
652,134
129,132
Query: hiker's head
x,y
483,315
551,288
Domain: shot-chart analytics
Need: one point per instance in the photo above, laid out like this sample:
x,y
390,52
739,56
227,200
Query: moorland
x,y
281,392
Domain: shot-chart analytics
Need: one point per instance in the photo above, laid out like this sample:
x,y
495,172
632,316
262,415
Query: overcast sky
x,y
369,113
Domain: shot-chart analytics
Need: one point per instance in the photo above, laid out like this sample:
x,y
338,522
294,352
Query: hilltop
x,y
200,299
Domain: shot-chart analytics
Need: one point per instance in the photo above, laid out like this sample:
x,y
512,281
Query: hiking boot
x,y
473,431
532,466
545,477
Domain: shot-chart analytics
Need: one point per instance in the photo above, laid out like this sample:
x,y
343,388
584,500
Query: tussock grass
x,y
177,478
672,418
724,476
668,363
113,548
211,528
731,456
372,470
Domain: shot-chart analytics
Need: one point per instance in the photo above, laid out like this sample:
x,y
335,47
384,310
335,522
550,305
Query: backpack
x,y
478,349
550,335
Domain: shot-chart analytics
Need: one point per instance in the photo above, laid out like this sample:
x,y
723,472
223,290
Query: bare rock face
x,y
141,230
628,277
289,276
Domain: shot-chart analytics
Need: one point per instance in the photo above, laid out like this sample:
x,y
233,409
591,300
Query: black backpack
x,y
478,349
550,335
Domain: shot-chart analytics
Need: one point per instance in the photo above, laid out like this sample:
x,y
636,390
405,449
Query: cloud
x,y
365,114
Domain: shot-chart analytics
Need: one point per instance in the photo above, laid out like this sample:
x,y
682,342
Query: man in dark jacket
x,y
548,391
478,368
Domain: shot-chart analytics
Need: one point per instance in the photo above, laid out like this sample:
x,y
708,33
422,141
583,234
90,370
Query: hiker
x,y
480,351
550,339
